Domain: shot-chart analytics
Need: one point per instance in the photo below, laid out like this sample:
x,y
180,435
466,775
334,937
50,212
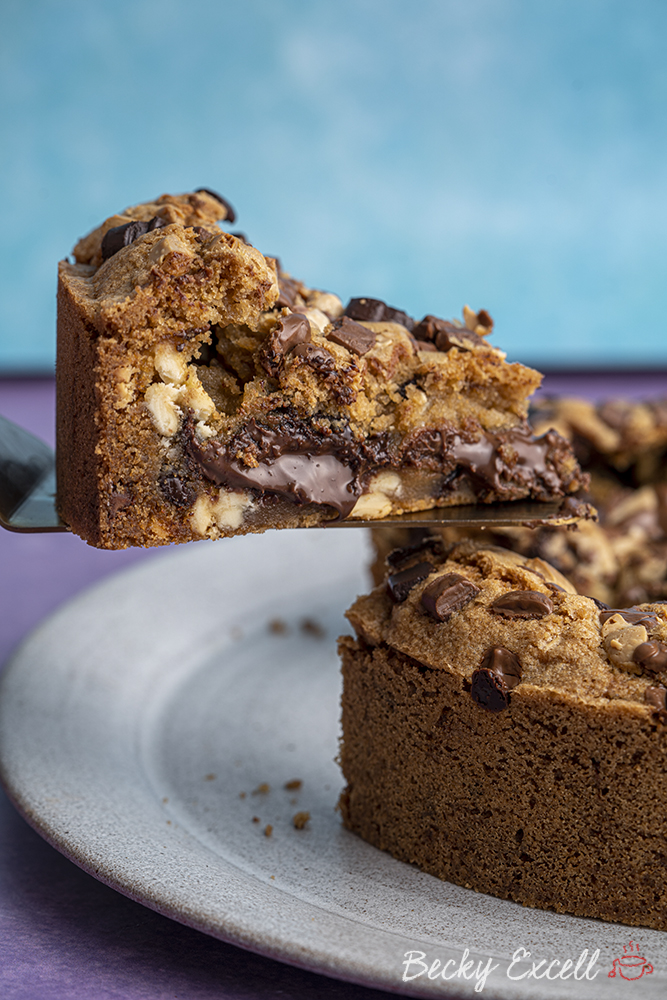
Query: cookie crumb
x,y
277,626
210,777
268,830
300,819
241,795
262,789
293,786
255,819
312,628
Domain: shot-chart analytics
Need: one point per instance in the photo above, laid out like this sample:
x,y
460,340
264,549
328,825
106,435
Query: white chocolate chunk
x,y
377,501
160,401
170,364
226,512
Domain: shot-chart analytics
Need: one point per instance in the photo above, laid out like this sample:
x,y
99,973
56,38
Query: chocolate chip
x,y
318,358
121,236
445,335
288,289
176,490
231,214
377,311
290,331
119,501
483,319
426,543
656,697
497,674
651,656
203,235
632,616
522,604
447,594
400,584
242,237
600,604
353,336
425,345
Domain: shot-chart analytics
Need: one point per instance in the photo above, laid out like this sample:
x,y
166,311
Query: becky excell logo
x,y
631,965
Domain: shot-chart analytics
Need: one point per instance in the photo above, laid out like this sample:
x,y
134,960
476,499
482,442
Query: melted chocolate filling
x,y
328,466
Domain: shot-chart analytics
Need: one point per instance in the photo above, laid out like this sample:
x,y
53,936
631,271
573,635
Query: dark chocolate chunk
x,y
425,345
317,357
447,594
121,236
203,235
401,583
231,214
446,335
427,543
633,616
353,336
290,331
483,319
522,604
497,674
288,289
377,311
176,490
600,604
651,656
242,237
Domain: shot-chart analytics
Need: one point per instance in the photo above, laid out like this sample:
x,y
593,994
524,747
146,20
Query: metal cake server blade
x,y
28,492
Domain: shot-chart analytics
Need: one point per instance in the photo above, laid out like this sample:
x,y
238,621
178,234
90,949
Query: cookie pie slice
x,y
202,392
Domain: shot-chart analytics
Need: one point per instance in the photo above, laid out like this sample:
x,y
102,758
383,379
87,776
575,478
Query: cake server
x,y
28,492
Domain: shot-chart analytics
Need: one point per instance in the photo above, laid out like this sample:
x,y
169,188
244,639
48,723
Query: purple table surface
x,y
63,935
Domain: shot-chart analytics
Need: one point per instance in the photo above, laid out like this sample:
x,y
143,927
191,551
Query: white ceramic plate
x,y
132,722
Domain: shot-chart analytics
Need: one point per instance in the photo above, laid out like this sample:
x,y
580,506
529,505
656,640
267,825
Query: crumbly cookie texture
x,y
622,558
203,392
507,734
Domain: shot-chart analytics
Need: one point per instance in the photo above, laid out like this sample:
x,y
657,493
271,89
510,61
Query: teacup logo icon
x,y
632,965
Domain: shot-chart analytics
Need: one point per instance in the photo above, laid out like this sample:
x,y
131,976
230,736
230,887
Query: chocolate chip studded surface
x,y
493,750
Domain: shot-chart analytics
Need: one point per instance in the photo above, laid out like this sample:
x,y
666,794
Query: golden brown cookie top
x,y
198,208
475,607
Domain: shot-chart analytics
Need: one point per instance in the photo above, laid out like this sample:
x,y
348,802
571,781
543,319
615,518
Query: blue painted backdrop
x,y
506,153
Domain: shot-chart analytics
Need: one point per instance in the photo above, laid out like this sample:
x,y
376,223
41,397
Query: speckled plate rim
x,y
71,759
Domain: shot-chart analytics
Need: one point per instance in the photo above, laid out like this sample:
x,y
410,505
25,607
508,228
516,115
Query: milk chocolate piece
x,y
522,604
651,656
290,331
401,583
632,616
497,674
353,336
447,594
656,697
121,236
231,214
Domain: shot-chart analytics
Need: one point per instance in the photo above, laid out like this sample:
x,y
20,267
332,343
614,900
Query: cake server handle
x,y
27,481
28,497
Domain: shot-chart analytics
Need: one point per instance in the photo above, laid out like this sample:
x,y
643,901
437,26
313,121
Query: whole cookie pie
x,y
508,734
